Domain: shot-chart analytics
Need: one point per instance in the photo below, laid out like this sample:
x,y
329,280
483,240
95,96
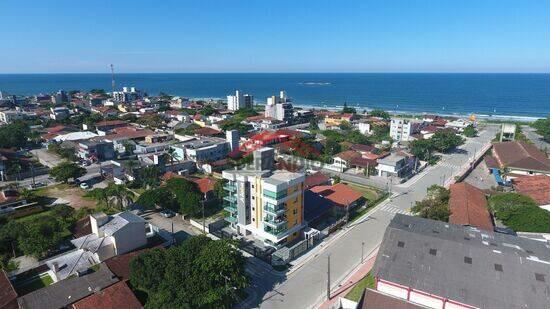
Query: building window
x,y
498,267
468,260
295,211
400,244
433,252
540,277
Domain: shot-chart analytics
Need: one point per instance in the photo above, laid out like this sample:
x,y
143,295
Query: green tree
x,y
345,126
435,206
348,110
120,194
219,191
332,147
445,140
14,135
67,170
543,127
380,113
469,131
207,110
422,149
41,236
187,194
313,124
520,213
214,273
159,197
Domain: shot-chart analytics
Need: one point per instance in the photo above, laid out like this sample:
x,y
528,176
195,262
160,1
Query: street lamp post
x,y
362,251
328,277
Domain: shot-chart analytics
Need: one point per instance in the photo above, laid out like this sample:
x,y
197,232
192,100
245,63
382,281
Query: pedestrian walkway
x,y
392,209
350,282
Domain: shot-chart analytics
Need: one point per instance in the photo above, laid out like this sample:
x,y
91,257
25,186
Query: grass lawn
x,y
359,288
34,284
371,194
359,213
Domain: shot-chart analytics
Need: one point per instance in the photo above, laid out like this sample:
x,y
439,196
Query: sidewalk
x,y
348,284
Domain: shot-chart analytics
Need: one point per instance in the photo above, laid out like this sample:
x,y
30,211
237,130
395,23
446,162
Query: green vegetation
x,y
470,131
189,130
151,121
435,206
520,213
14,135
235,123
371,204
207,110
114,197
67,170
441,141
38,234
371,194
348,110
33,284
66,153
380,113
178,194
543,127
367,282
199,273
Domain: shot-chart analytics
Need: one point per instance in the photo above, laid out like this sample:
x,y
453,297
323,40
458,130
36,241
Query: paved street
x,y
306,286
535,138
182,230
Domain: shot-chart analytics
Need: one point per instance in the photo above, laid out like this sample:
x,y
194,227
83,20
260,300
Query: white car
x,y
84,186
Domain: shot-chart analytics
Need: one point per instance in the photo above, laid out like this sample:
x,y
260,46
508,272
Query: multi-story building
x,y
59,113
9,116
239,100
96,150
205,149
400,129
279,108
60,97
232,137
266,204
128,94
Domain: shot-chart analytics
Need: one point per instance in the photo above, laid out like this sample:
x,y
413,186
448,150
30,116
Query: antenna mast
x,y
113,78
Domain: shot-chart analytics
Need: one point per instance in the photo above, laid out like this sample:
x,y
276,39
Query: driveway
x,y
182,229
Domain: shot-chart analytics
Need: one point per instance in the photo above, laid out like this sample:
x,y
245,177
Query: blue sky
x,y
274,36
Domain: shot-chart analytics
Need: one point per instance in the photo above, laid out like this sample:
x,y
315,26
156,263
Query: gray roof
x,y
120,220
66,292
464,264
392,159
72,263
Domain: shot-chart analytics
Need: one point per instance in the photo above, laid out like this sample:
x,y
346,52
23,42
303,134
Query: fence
x,y
287,254
247,246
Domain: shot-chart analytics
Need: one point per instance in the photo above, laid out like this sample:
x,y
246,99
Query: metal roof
x,y
464,264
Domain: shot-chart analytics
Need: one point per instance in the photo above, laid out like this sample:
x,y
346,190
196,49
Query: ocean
x,y
496,95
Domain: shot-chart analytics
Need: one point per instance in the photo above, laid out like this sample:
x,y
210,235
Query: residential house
x,y
344,159
118,295
335,119
442,265
316,179
517,158
398,164
536,187
105,127
96,150
342,196
205,149
111,236
123,135
8,295
459,124
468,206
59,113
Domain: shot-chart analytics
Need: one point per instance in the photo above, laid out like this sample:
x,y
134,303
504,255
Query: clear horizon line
x,y
280,72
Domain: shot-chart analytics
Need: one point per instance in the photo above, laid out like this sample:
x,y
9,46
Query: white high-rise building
x,y
232,136
239,100
400,129
128,94
279,107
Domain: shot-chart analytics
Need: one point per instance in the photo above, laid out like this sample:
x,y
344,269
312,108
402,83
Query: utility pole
x,y
173,236
112,77
362,252
32,174
328,277
203,218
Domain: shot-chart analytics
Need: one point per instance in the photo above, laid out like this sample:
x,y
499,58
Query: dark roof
x,y
120,264
363,162
315,206
517,154
117,295
68,291
468,206
362,148
82,227
8,296
316,179
375,300
464,264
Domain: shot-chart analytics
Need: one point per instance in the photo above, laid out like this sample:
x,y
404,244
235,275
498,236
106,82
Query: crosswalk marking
x,y
393,209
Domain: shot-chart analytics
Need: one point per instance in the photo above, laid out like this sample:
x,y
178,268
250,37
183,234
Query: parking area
x,y
182,229
46,158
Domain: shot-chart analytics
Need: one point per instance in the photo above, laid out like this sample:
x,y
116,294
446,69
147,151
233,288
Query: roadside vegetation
x,y
214,273
435,205
543,128
520,213
442,141
367,282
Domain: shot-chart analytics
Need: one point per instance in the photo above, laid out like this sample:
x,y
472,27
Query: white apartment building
x,y
128,94
400,129
279,107
239,100
266,204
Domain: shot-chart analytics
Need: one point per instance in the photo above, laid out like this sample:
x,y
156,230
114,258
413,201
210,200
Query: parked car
x,y
37,185
167,213
84,186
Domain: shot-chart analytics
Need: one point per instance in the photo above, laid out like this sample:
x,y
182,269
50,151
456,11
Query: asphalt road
x,y
306,287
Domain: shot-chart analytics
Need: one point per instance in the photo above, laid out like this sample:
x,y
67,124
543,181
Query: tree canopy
x,y
199,273
67,170
470,131
14,135
543,127
348,110
520,213
435,206
380,113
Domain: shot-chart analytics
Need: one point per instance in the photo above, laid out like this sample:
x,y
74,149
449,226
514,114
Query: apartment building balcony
x,y
275,195
230,188
230,198
231,219
275,231
274,210
275,223
230,207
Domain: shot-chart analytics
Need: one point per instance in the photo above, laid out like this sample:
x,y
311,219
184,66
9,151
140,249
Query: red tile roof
x,y
536,187
515,154
340,194
110,123
8,296
206,131
117,295
348,155
468,206
375,300
316,179
362,148
120,264
205,184
128,132
363,162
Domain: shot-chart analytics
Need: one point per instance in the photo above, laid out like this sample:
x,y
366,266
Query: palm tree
x,y
172,155
120,194
130,165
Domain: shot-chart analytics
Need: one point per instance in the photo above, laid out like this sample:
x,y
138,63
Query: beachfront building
x,y
401,129
279,108
265,204
128,94
239,100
